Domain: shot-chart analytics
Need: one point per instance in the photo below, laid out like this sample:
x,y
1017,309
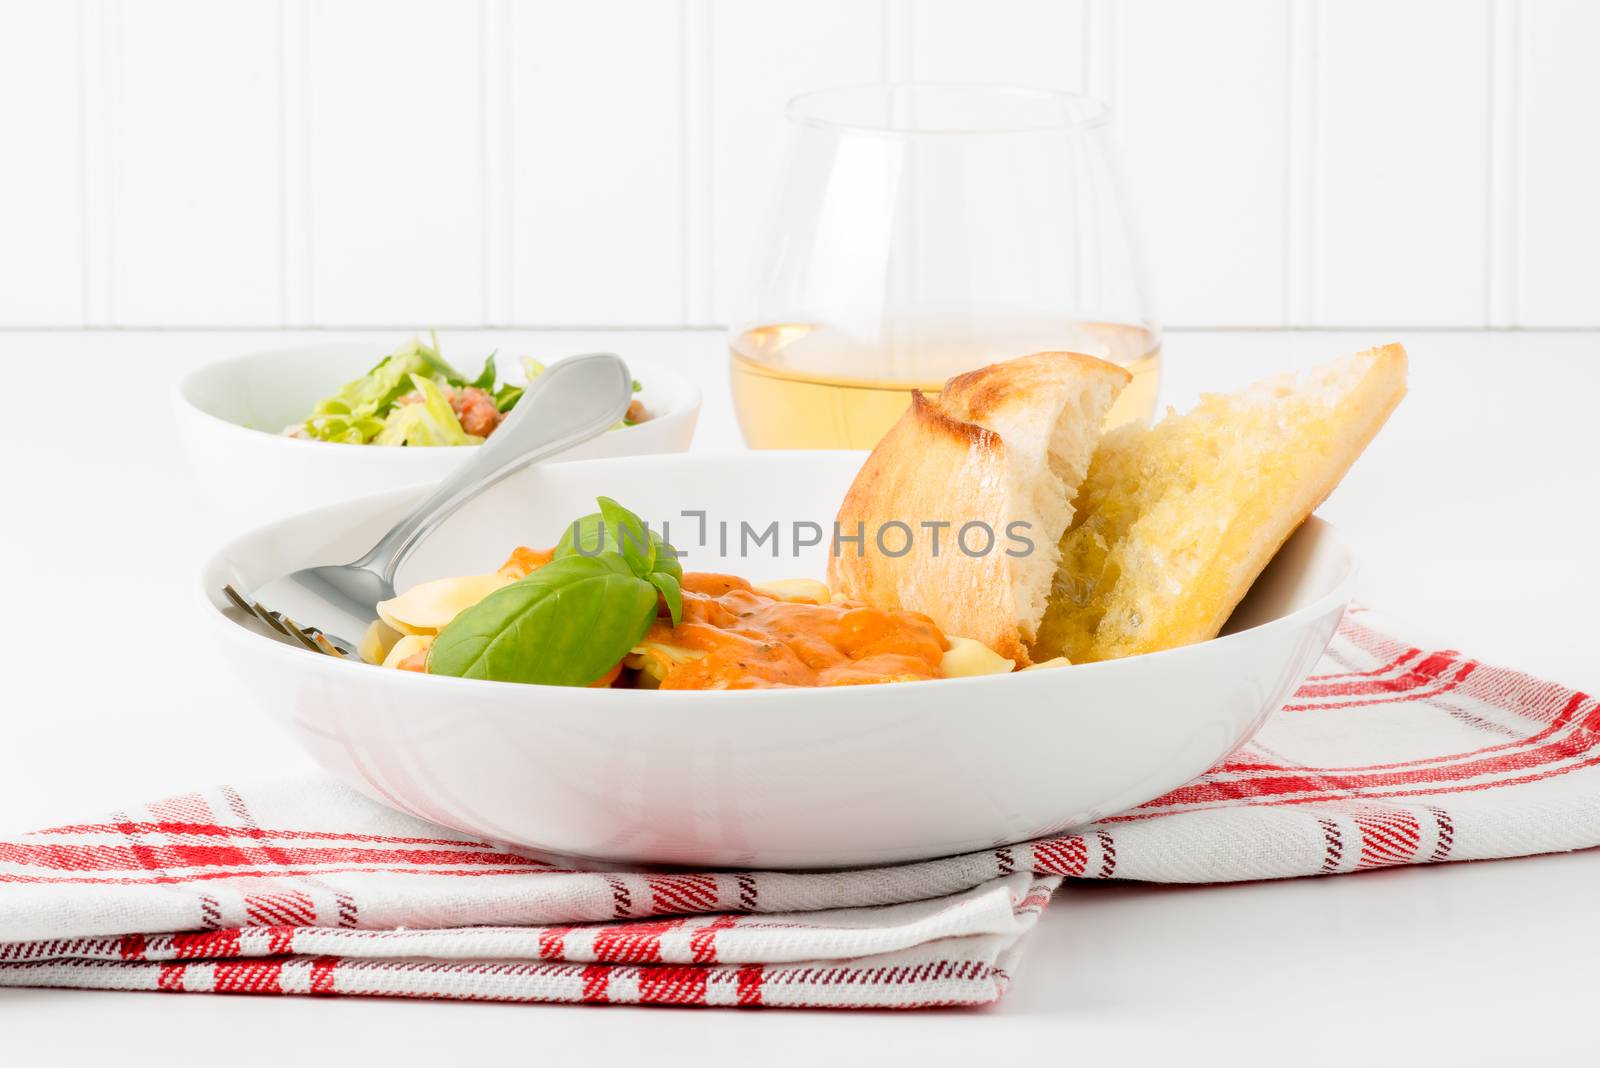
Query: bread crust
x,y
1379,393
943,466
983,393
1257,517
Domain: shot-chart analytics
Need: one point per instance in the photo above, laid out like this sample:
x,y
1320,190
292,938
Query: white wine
x,y
807,386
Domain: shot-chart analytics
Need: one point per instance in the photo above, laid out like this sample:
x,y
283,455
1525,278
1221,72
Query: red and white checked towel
x,y
1392,754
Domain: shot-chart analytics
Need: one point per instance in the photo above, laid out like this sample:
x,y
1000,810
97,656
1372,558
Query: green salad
x,y
415,397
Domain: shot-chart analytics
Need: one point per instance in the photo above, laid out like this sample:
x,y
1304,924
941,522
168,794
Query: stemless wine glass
x,y
923,230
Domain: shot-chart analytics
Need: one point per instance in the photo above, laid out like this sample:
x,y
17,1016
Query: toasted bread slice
x,y
1003,445
1175,521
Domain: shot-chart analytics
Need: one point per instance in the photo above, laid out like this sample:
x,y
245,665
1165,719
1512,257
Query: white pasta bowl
x,y
230,415
781,778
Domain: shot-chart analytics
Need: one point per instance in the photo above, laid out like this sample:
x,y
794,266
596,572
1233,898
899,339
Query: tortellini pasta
x,y
409,622
424,610
408,646
426,607
799,590
967,656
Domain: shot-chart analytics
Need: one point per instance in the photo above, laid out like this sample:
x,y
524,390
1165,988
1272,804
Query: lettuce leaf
x,y
359,409
343,428
506,397
486,377
430,421
367,410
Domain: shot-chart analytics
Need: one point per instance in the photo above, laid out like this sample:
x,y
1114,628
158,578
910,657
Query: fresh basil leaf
x,y
666,559
566,624
671,592
632,538
589,530
616,563
592,535
486,377
584,536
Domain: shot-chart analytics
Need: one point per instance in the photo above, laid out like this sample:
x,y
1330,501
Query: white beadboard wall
x,y
1404,163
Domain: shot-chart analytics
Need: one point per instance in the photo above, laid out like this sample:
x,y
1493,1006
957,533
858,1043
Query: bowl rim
x,y
1339,594
682,388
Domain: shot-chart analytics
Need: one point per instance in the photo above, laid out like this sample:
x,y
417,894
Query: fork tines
x,y
278,623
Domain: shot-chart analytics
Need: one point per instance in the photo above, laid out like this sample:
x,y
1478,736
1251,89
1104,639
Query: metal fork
x,y
282,625
319,607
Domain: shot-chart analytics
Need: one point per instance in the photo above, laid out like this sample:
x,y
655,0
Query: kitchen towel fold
x,y
1391,754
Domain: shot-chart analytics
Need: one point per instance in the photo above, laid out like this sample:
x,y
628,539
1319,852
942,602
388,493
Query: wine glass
x,y
923,230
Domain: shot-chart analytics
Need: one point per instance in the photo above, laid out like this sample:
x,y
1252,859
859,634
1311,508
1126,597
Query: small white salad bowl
x,y
231,414
784,778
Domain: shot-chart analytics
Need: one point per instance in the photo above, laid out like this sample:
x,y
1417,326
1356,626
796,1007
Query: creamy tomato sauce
x,y
749,640
524,561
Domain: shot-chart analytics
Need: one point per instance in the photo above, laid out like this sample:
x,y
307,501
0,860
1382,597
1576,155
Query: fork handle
x,y
571,402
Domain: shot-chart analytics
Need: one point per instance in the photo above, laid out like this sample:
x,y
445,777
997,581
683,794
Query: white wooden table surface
x,y
1476,514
